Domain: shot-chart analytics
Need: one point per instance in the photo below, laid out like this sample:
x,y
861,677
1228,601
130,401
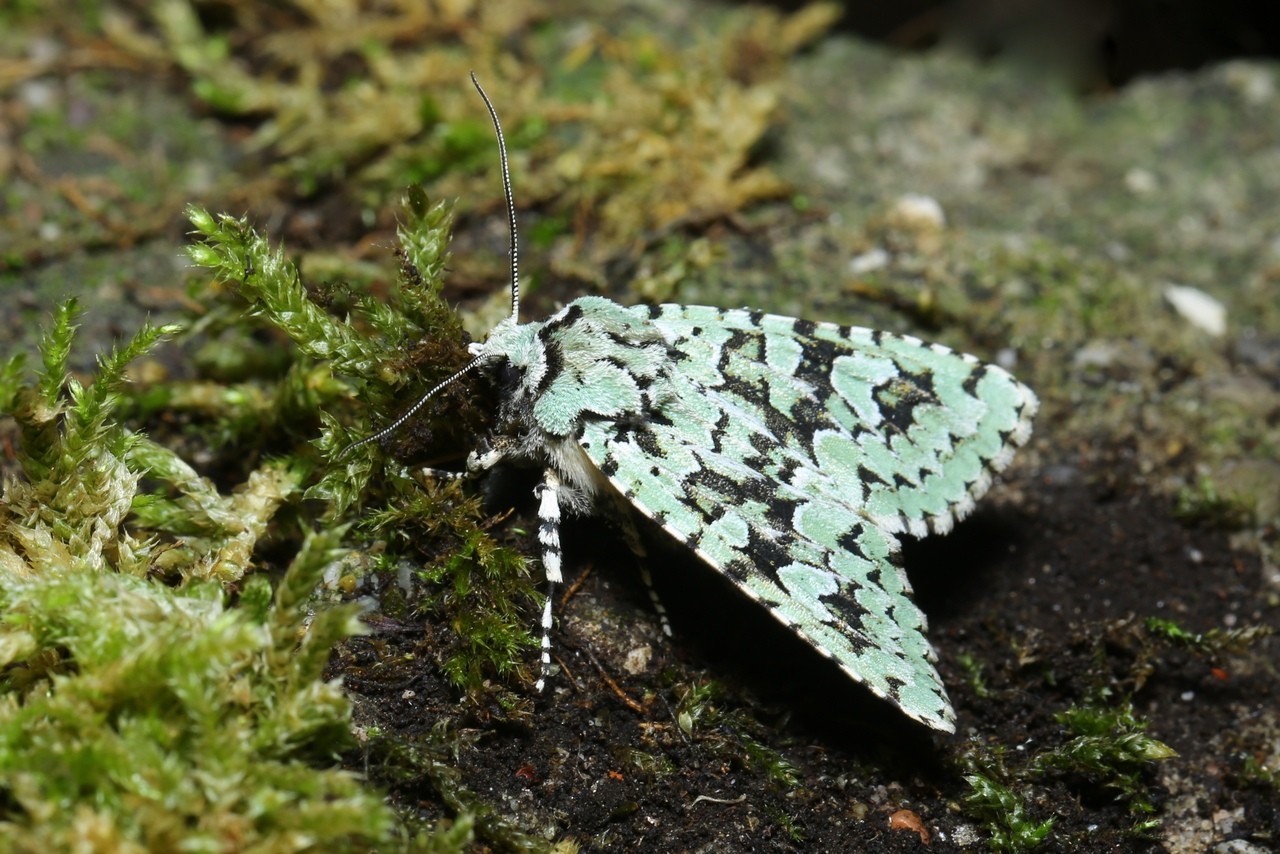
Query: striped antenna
x,y
409,413
511,202
515,287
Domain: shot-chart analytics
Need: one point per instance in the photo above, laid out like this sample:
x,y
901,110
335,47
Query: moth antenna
x,y
511,202
409,413
515,283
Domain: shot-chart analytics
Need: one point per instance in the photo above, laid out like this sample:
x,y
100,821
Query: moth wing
x,y
817,563
788,454
912,432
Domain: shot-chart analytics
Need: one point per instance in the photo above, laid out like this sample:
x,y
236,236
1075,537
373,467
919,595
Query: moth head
x,y
512,354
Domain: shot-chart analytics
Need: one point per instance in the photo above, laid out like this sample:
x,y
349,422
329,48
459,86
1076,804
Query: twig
x,y
738,800
617,689
572,589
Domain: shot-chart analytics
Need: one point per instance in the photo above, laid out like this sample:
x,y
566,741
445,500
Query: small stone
x,y
1197,307
1239,846
637,660
916,212
1140,181
869,261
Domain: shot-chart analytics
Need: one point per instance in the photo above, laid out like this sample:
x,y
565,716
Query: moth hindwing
x,y
787,454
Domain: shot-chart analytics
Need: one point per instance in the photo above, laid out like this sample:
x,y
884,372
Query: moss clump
x,y
1004,815
729,734
1214,645
1110,747
138,707
388,353
1102,747
1203,503
623,141
155,690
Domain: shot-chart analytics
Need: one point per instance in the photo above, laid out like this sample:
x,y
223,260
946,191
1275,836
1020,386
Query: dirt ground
x,y
1044,587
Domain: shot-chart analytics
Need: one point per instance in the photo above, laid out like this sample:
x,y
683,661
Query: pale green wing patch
x,y
696,468
922,429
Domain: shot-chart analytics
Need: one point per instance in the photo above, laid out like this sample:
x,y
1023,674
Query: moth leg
x,y
548,494
631,536
655,599
478,462
443,474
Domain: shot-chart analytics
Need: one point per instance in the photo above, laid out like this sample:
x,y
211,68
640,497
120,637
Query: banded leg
x,y
477,463
654,598
549,536
443,474
623,513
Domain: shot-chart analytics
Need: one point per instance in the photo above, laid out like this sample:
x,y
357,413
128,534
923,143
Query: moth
x,y
788,454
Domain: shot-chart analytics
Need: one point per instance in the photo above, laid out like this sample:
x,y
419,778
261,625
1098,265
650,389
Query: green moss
x,y
140,639
479,590
627,139
1101,747
476,588
138,705
1255,773
1004,815
788,825
1109,747
1202,503
973,670
1098,749
1214,644
729,733
20,12
655,765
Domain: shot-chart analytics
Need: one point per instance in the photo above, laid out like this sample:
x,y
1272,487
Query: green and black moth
x,y
787,454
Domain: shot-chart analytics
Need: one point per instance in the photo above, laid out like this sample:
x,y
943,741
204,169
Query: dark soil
x,y
1043,592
